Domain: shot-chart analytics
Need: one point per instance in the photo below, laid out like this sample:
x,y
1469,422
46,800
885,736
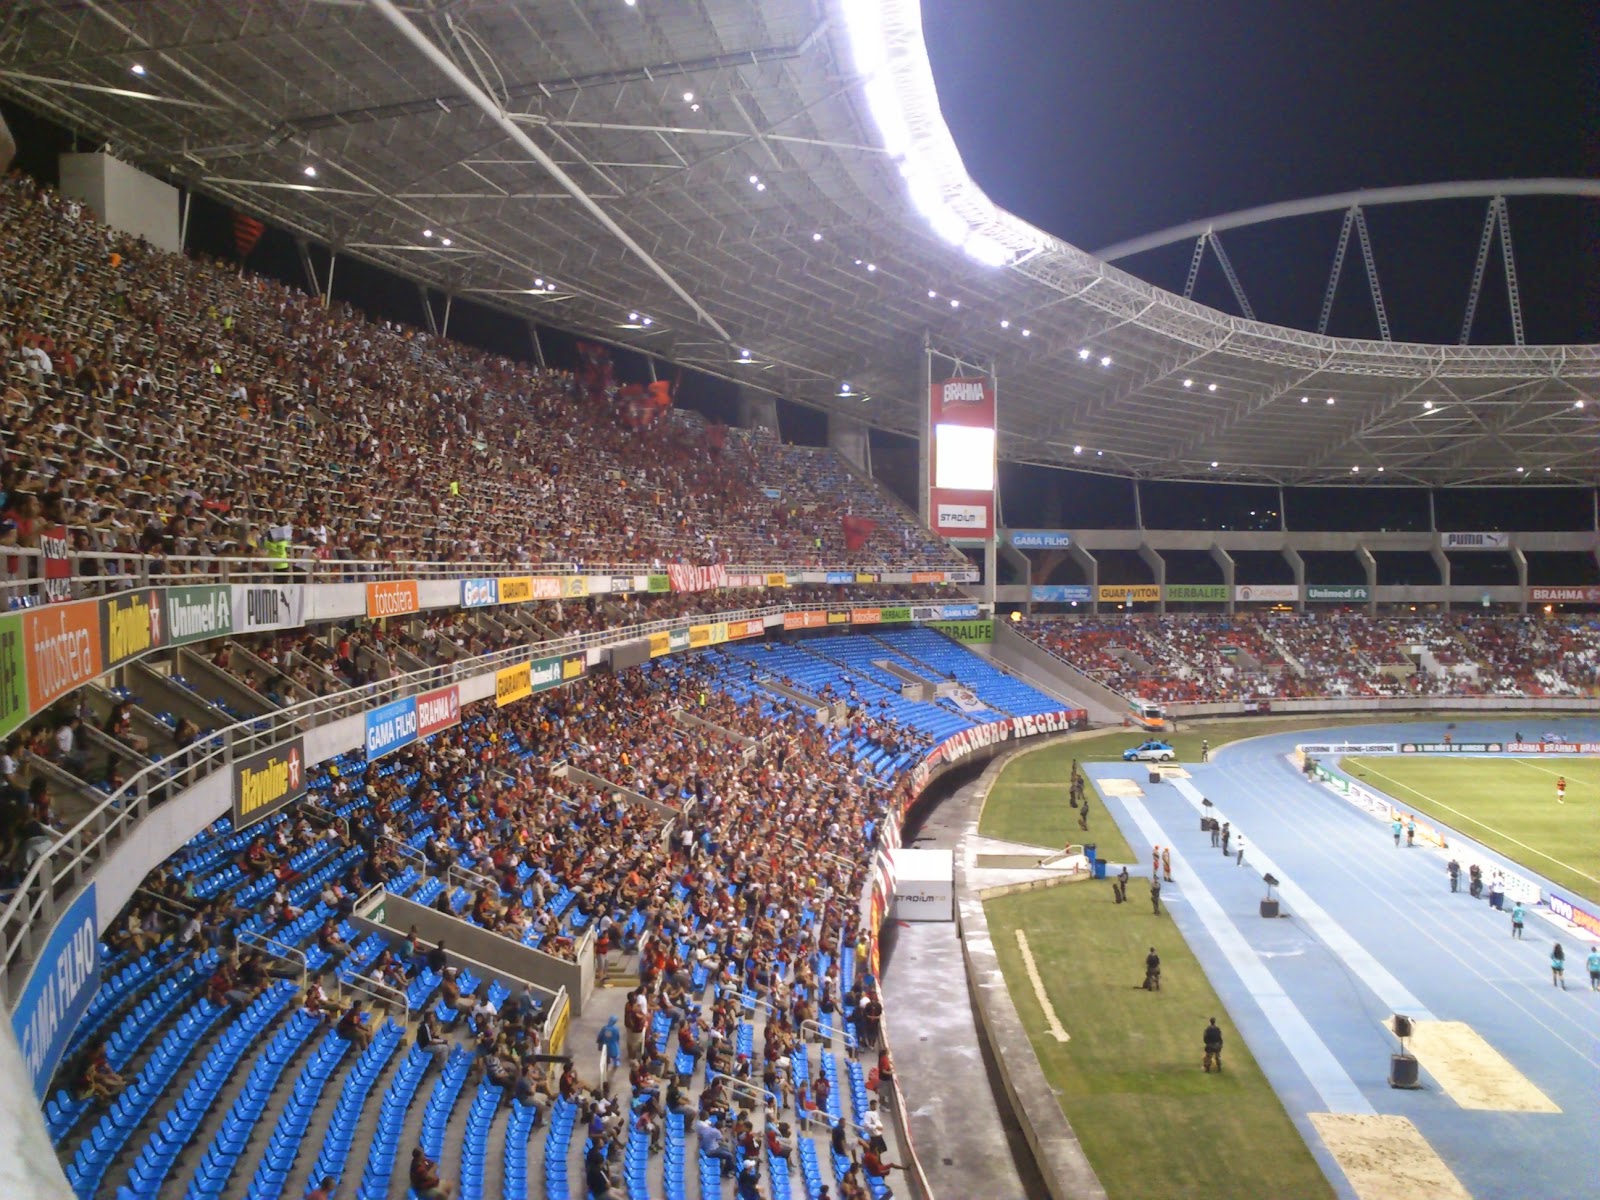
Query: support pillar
x,y
848,438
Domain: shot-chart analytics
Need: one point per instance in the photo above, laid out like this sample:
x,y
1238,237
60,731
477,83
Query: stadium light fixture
x,y
1211,387
1428,404
955,303
1578,403
1077,449
844,388
1213,464
1027,333
872,266
754,179
444,241
891,58
932,294
1330,399
630,3
816,237
688,97
310,172
634,317
744,356
645,321
761,187
1099,453
1356,470
538,283
427,233
1305,399
1084,354
1547,470
1519,470
1188,383
1004,324
1105,360
1380,470
137,68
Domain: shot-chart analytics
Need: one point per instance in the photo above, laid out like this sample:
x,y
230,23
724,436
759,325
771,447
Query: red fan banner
x,y
247,232
856,531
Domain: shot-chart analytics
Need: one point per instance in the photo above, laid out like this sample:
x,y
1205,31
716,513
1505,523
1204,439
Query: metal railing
x,y
100,572
273,948
62,870
392,998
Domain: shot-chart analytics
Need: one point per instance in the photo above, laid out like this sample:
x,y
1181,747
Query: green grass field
x,y
1150,1120
1508,804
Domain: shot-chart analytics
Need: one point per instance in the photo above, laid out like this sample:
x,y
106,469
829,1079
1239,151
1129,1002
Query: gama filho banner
x,y
961,467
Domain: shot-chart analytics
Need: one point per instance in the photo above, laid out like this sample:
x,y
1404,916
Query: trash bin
x,y
1155,775
1099,868
1090,852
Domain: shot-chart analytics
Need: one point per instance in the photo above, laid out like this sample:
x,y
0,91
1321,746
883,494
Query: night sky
x,y
1104,121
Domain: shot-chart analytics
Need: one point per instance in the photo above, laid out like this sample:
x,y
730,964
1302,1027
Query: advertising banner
x,y
1564,595
969,741
699,636
1475,541
131,623
514,589
866,616
839,577
620,583
544,674
546,587
1553,747
1062,593
512,684
574,587
1341,593
1348,748
777,579
1136,593
1040,539
54,545
261,607
391,727
13,676
752,627
199,612
438,710
961,476
479,593
1452,747
966,631
964,575
866,577
894,615
393,598
64,980
659,583
265,782
1208,593
928,576
61,649
573,667
678,639
660,643
1281,593
804,620
1568,910
838,618
696,579
958,612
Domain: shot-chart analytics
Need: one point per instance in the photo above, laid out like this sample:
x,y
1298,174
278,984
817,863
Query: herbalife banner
x,y
1351,593
965,631
1211,593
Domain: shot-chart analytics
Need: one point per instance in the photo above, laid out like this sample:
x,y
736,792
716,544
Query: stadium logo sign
x,y
265,782
970,517
1475,541
962,391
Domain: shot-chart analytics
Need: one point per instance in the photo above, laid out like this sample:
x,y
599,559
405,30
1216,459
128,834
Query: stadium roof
x,y
723,168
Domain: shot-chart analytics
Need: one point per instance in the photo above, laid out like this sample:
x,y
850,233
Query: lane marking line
x,y
1393,994
1481,824
1057,1031
1322,1070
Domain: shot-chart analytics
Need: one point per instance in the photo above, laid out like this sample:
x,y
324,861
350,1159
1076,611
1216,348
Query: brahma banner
x,y
697,579
961,474
1564,595
438,710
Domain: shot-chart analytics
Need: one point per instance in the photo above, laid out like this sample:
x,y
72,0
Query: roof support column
x,y
1442,561
1369,564
1229,570
1298,566
1158,569
1520,561
427,309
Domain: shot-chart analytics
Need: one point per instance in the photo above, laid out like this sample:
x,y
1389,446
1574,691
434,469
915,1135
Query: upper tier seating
x,y
170,404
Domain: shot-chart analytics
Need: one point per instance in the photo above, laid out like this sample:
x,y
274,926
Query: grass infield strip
x,y
1129,1080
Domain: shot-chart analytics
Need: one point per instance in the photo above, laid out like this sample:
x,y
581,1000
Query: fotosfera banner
x,y
393,598
61,649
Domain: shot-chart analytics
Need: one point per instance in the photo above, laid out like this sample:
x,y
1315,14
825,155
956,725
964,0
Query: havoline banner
x,y
265,782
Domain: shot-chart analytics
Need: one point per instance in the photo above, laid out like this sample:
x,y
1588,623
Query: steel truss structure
x,y
714,165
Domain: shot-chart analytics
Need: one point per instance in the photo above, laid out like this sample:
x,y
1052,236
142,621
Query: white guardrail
x,y
57,876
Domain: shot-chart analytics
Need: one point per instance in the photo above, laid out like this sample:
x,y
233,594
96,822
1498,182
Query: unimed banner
x,y
265,782
199,612
65,977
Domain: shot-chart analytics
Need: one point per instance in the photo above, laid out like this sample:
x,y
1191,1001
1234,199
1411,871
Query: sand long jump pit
x,y
1386,1157
1472,1072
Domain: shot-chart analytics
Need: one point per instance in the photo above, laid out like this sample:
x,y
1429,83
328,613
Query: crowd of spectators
x,y
1201,658
174,406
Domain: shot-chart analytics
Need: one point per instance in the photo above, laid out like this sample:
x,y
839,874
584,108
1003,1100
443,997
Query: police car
x,y
1150,752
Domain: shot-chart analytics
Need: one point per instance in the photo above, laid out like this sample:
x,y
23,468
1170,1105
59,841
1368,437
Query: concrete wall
x,y
123,197
1012,649
398,915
